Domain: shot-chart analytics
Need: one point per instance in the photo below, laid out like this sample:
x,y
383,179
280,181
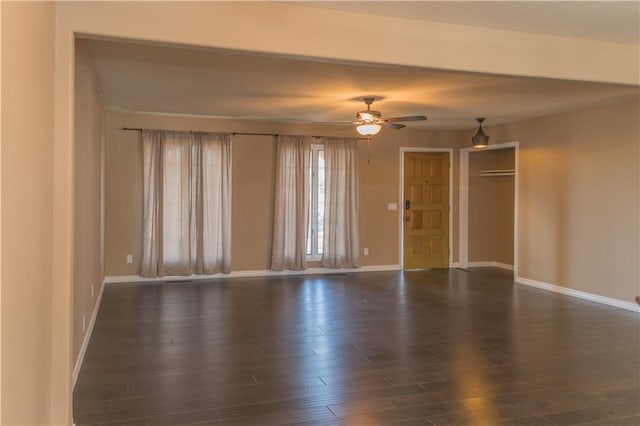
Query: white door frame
x,y
463,216
401,206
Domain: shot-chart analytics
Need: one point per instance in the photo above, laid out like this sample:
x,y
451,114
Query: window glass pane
x,y
320,225
310,226
175,202
316,202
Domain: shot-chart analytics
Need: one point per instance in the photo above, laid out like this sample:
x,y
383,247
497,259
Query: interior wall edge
x,y
87,175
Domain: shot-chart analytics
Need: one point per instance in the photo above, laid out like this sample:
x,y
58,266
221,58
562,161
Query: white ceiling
x,y
612,21
227,84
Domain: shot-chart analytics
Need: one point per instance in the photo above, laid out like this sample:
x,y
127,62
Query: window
x,y
316,204
175,202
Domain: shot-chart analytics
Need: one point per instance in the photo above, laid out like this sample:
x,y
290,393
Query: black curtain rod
x,y
232,133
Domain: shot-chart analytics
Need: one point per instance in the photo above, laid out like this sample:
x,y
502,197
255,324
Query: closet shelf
x,y
508,172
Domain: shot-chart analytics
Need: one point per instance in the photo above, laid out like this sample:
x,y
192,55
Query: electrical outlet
x,y
366,251
129,258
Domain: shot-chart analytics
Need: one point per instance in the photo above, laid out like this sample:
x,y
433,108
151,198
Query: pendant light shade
x,y
369,129
480,140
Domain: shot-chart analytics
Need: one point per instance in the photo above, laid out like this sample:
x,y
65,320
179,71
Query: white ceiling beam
x,y
288,29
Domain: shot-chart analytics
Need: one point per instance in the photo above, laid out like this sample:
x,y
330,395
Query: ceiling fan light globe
x,y
368,129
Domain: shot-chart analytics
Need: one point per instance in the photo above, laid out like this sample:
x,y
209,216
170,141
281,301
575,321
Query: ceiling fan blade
x,y
393,125
409,118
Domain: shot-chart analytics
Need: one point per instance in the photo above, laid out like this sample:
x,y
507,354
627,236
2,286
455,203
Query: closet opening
x,y
489,207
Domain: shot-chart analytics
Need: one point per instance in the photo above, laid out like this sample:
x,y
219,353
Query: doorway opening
x,y
488,217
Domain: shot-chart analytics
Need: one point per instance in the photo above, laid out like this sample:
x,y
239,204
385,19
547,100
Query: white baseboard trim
x,y
87,337
253,273
630,306
490,264
454,265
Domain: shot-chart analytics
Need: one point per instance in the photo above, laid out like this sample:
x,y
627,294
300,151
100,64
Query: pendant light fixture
x,y
480,140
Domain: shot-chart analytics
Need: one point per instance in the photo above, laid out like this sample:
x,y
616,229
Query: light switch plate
x,y
392,206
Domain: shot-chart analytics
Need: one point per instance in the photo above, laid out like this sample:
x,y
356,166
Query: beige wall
x,y
253,187
27,202
87,271
491,201
579,206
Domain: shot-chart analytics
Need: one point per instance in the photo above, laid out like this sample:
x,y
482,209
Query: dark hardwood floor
x,y
442,347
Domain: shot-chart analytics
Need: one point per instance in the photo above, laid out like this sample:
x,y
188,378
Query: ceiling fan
x,y
369,123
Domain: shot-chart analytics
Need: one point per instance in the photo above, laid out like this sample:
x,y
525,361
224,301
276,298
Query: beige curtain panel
x,y
341,211
187,203
291,203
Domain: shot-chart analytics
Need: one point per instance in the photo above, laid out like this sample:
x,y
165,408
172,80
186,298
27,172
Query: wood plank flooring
x,y
440,347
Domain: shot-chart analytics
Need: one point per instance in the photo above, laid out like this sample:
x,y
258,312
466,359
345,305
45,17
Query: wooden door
x,y
426,210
